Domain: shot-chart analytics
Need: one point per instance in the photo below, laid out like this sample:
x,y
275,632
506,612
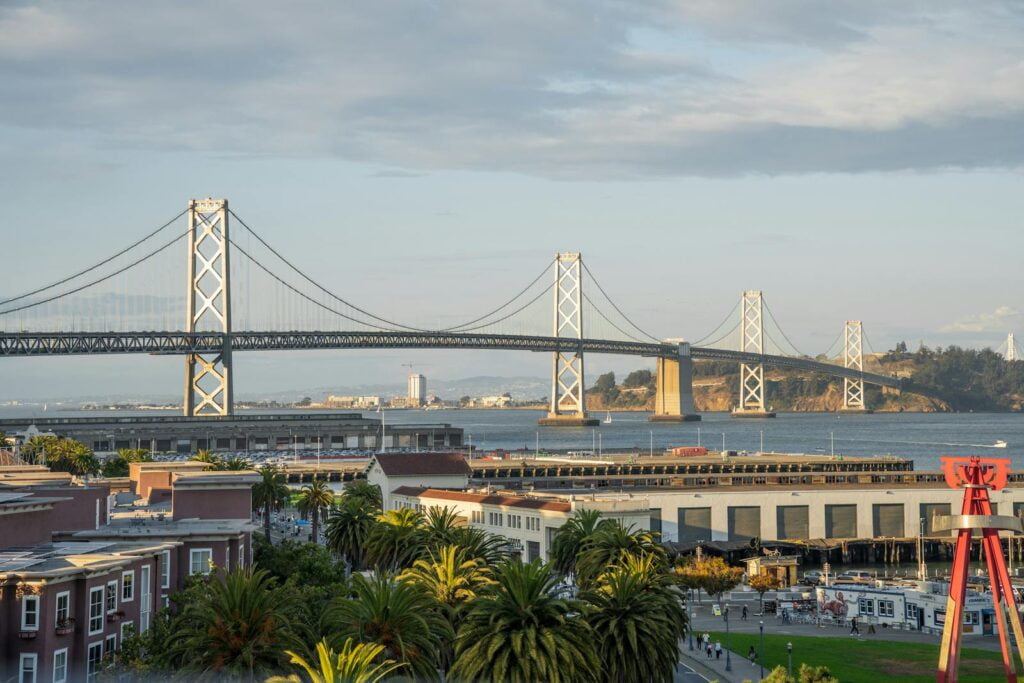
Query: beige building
x,y
529,522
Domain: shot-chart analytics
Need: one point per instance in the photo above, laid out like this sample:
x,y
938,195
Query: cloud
x,y
575,89
1002,319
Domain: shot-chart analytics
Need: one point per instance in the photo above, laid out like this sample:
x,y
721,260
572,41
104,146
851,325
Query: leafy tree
x,y
239,627
269,493
398,616
206,456
33,451
713,575
440,525
490,549
356,663
638,621
118,465
762,583
806,674
235,464
308,564
639,378
364,490
570,537
314,500
605,382
611,544
348,526
68,455
396,541
521,630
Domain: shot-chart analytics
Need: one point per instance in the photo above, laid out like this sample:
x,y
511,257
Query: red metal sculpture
x,y
976,476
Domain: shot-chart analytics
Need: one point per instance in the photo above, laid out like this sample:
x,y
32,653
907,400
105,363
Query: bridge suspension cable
x,y
465,326
730,316
617,310
793,346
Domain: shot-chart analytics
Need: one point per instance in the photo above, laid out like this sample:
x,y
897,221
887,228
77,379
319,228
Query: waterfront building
x,y
364,402
298,430
390,471
417,394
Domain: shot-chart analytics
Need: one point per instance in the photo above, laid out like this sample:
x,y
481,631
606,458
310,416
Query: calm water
x,y
922,437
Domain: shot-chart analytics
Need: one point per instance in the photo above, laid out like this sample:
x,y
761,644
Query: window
x,y
494,518
111,597
127,586
63,606
515,521
127,630
95,610
886,608
478,516
971,618
165,569
912,611
241,554
93,662
60,666
30,613
866,606
109,645
27,669
199,561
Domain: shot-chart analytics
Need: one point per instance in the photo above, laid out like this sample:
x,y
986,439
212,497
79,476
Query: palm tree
x,y
398,616
239,628
356,663
269,493
453,580
638,621
439,525
491,549
396,541
235,464
204,455
364,490
611,544
520,630
348,525
569,539
315,499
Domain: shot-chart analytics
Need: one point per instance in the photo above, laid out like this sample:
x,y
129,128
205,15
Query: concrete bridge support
x,y
673,401
853,358
568,401
752,341
208,380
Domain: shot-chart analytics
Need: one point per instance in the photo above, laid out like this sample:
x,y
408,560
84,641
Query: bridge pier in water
x,y
673,400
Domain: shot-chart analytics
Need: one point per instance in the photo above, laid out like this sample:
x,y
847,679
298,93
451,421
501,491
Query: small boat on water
x,y
999,444
608,418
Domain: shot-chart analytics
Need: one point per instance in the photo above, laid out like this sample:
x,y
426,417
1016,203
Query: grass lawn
x,y
860,660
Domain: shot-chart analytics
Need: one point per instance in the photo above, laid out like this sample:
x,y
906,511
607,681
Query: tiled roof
x,y
483,498
420,464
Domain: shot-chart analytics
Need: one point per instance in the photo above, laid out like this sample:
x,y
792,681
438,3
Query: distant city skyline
x,y
855,160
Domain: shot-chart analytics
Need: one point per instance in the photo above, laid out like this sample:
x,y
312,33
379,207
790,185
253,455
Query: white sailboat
x,y
999,444
608,418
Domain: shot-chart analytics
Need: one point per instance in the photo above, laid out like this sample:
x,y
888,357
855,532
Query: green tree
x,y
440,525
639,378
806,674
308,564
478,544
396,541
365,491
398,616
356,663
314,500
33,451
118,465
204,455
348,526
520,630
605,382
235,464
762,583
638,621
269,493
570,537
713,575
239,627
74,457
610,545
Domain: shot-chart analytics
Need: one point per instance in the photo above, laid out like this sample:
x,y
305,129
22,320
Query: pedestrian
x,y
744,615
752,655
718,649
853,627
709,650
707,640
871,629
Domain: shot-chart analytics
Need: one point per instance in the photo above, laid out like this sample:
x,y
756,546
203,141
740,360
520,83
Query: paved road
x,y
686,674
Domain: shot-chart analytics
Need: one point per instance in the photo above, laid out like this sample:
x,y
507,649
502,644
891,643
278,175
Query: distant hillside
x,y
939,380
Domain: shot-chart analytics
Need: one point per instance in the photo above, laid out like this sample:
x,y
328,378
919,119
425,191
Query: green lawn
x,y
861,660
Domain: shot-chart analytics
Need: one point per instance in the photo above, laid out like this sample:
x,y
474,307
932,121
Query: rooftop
x,y
499,499
65,557
421,464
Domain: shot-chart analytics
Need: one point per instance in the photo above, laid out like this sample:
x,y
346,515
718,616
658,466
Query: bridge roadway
x,y
163,343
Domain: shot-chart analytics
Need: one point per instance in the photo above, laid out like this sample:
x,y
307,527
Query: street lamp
x,y
689,625
760,657
728,642
789,650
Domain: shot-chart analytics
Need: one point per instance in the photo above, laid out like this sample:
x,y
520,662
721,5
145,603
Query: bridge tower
x,y
568,403
853,359
752,341
673,399
1011,348
208,308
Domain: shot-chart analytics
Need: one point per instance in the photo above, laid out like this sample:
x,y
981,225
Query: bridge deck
x,y
83,343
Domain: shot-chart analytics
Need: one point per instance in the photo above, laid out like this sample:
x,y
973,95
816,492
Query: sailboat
x,y
999,444
608,418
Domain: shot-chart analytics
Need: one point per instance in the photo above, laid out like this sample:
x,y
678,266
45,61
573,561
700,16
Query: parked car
x,y
860,577
812,578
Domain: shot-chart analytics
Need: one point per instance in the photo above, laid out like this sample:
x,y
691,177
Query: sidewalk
x,y
714,669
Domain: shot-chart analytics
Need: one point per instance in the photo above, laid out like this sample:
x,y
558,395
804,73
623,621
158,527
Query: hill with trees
x,y
938,380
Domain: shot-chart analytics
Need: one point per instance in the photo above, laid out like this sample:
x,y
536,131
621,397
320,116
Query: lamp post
x,y
689,626
789,651
728,642
760,656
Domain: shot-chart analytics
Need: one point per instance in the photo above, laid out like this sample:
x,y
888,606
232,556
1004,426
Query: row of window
x,y
29,662
886,608
508,520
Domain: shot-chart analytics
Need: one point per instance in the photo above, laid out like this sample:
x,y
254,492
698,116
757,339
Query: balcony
x,y
65,627
28,635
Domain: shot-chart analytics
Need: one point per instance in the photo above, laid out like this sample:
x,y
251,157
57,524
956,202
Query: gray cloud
x,y
569,90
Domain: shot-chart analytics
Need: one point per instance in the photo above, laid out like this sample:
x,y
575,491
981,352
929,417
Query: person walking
x,y
853,627
752,655
718,649
709,649
744,615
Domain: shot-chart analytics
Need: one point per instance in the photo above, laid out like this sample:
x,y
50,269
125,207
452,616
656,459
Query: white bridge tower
x,y
208,308
752,341
853,359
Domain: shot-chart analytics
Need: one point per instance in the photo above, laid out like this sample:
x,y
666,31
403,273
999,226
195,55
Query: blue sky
x,y
851,159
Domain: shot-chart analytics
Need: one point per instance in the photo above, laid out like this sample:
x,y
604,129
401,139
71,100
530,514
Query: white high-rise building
x,y
417,389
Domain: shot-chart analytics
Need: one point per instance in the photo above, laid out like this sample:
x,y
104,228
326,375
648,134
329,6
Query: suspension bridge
x,y
242,294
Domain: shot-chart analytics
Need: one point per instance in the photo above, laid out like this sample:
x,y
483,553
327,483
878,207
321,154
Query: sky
x,y
853,160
